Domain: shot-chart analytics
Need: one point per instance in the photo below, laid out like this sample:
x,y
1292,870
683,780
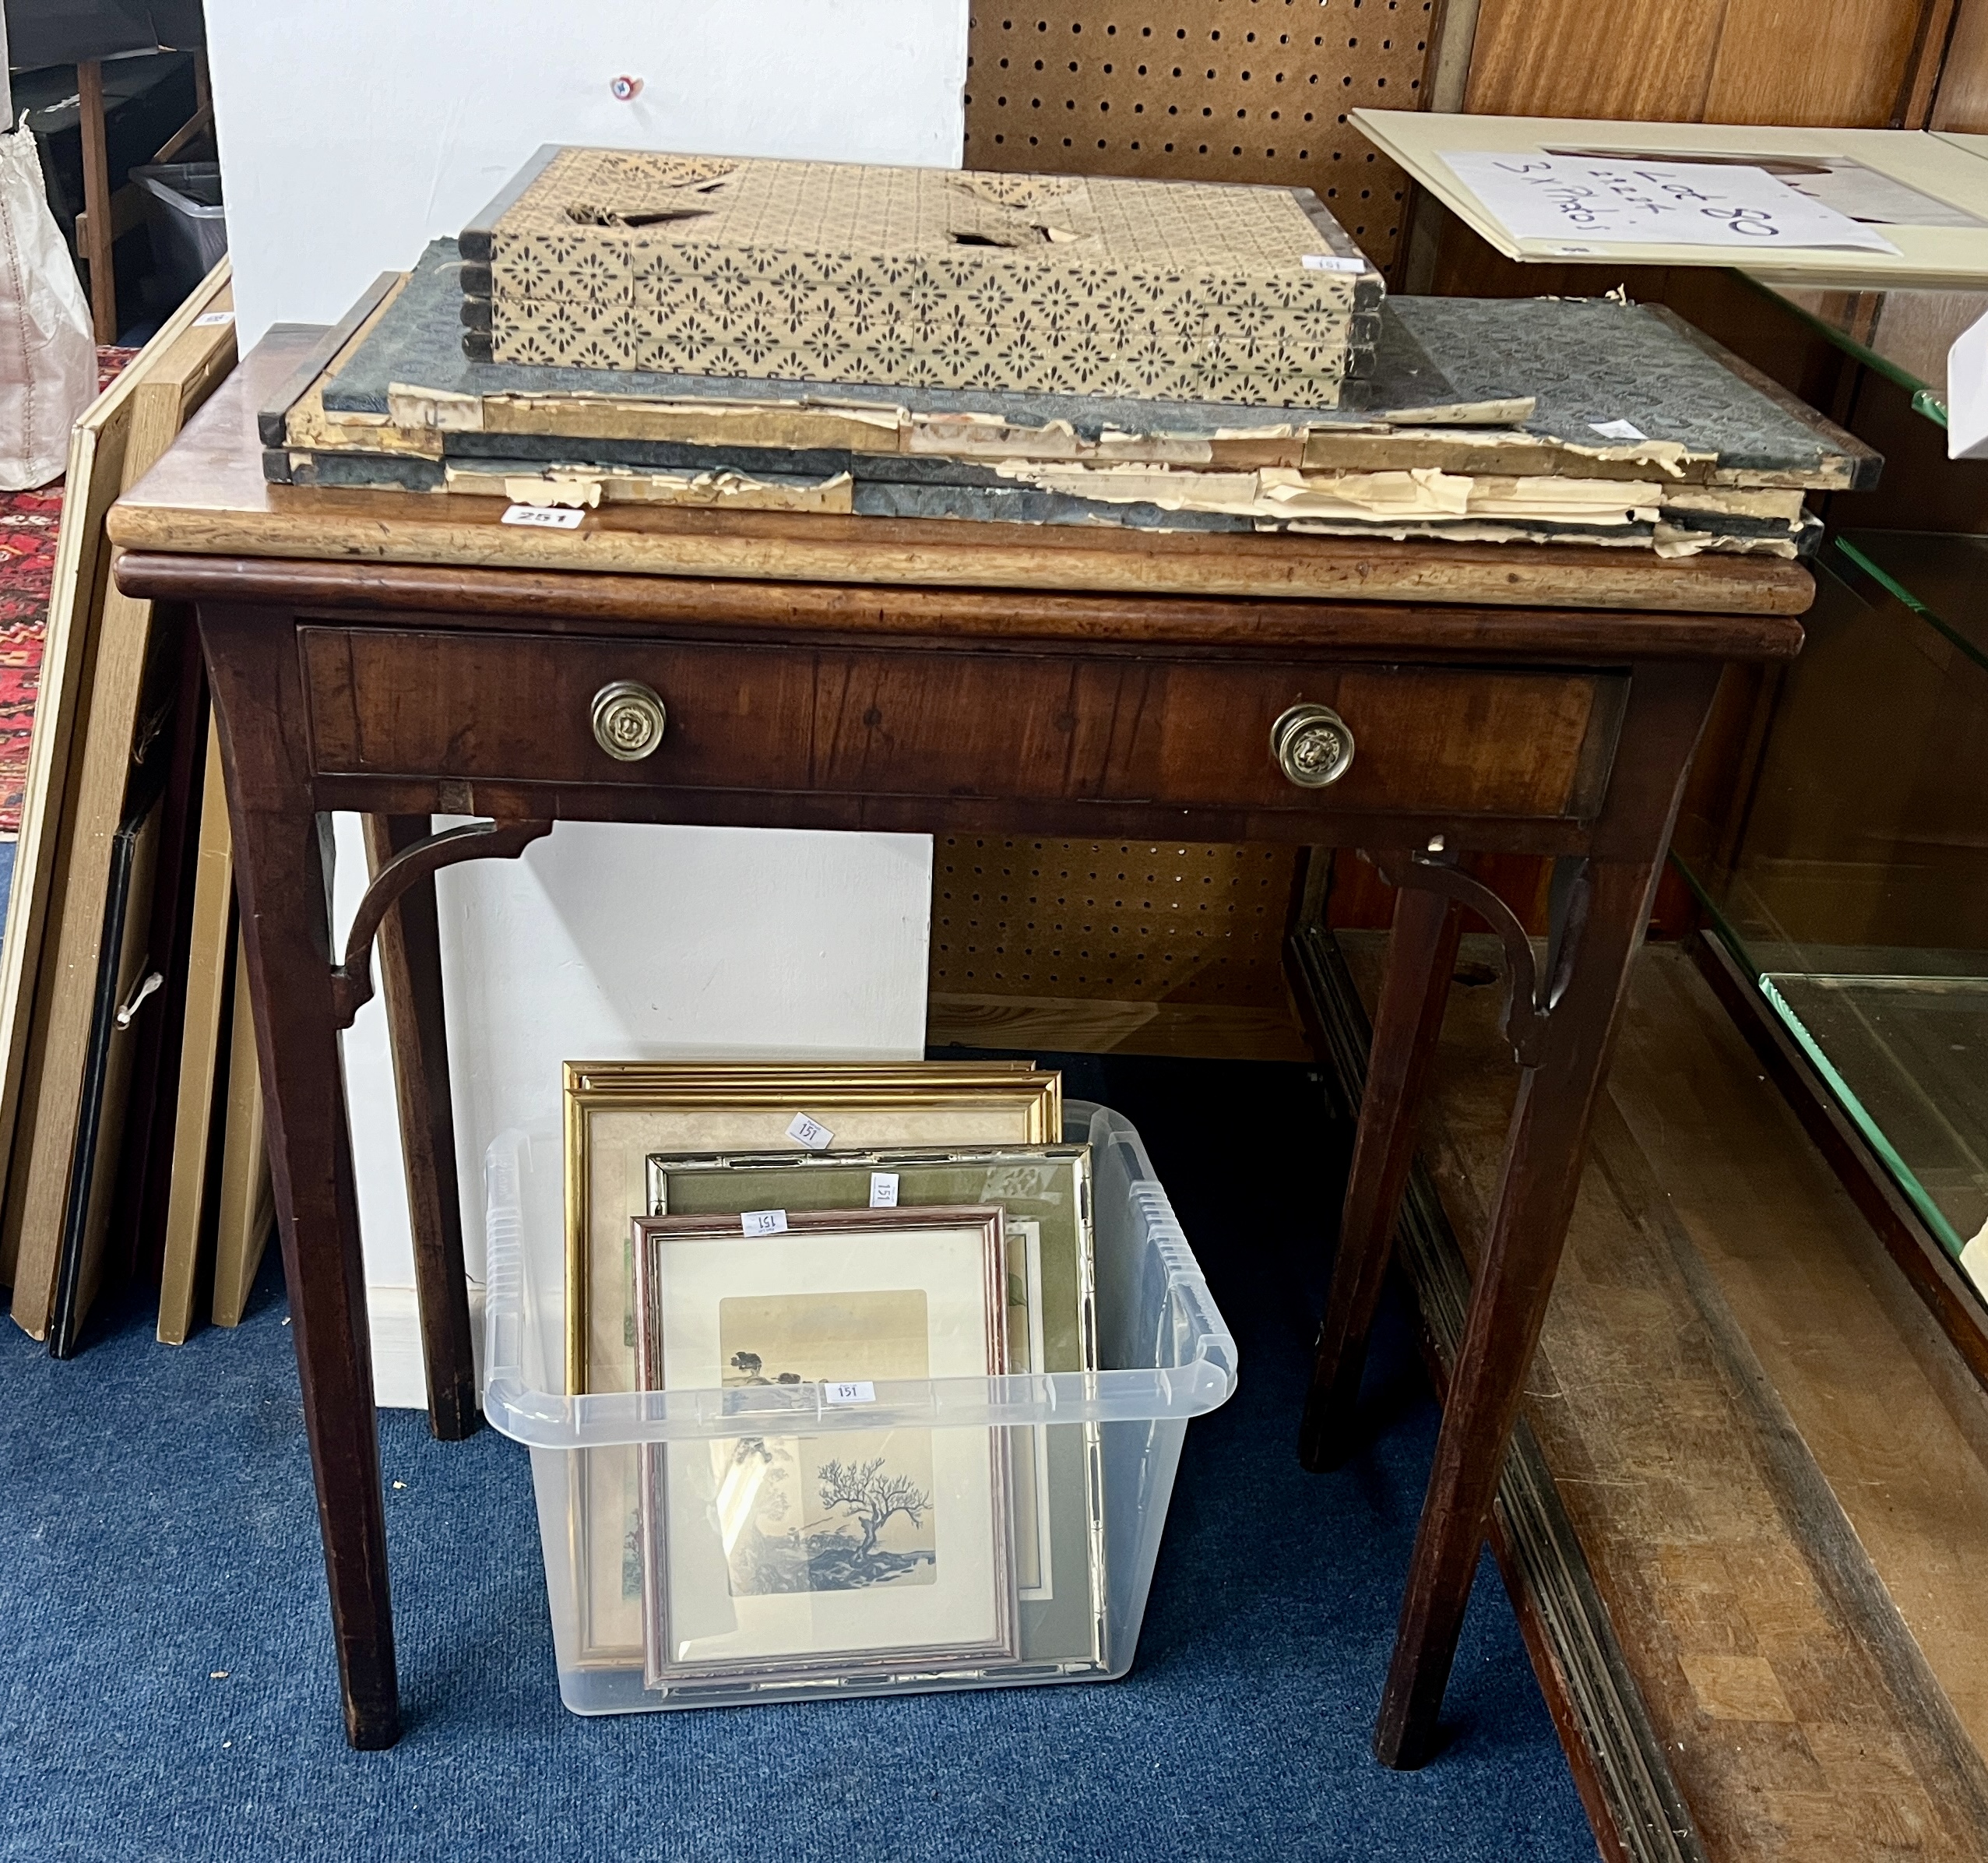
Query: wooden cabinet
x,y
1844,62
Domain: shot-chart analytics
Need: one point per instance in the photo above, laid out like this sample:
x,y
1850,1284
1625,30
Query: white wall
x,y
605,942
352,132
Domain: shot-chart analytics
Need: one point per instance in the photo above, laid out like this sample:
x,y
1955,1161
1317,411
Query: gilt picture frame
x,y
618,1114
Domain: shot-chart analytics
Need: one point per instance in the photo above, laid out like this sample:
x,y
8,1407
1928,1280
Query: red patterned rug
x,y
29,521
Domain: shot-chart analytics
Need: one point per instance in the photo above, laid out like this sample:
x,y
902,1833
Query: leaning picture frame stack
x,y
620,1118
1113,1345
82,1147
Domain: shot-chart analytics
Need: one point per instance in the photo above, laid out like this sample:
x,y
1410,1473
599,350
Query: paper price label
x,y
543,517
883,1190
763,1222
863,1392
1618,430
805,1131
1331,262
212,320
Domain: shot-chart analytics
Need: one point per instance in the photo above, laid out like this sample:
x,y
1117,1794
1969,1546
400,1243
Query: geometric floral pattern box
x,y
919,277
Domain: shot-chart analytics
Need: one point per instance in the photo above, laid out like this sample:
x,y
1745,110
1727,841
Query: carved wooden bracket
x,y
1528,1003
352,978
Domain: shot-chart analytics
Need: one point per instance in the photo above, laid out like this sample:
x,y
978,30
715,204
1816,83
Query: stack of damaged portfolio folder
x,y
906,344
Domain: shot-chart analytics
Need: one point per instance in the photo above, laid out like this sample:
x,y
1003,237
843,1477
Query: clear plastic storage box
x,y
1101,1447
186,220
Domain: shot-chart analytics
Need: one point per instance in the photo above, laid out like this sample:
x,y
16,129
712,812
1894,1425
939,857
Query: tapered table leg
x,y
410,950
280,871
1421,957
1528,1223
100,234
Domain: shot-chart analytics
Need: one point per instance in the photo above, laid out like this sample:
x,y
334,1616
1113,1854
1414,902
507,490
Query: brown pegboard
x,y
1223,90
1217,90
1135,921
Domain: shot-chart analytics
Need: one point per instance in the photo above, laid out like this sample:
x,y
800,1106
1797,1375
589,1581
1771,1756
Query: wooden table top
x,y
208,499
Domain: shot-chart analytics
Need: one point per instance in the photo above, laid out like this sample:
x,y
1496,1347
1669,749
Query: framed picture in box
x,y
1044,1192
620,1113
792,1556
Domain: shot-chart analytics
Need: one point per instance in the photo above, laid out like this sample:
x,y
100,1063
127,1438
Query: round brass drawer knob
x,y
627,719
1312,744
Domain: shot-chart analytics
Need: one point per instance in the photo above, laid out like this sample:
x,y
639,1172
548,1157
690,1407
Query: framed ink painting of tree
x,y
835,1537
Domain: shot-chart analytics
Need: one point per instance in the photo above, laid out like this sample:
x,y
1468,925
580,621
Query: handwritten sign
x,y
883,1190
1629,201
763,1222
858,1391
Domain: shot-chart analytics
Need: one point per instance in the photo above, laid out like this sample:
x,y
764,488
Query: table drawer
x,y
919,721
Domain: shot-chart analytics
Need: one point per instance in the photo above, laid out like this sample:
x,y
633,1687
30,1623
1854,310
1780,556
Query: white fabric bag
x,y
48,347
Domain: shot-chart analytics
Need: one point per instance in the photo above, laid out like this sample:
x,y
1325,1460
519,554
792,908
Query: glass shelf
x,y
1856,890
1940,577
1905,1055
1904,334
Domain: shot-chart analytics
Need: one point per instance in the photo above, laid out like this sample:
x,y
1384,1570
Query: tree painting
x,y
872,1497
867,1523
868,1495
865,1520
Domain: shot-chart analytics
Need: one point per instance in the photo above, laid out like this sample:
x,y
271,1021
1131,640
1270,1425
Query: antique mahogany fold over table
x,y
404,655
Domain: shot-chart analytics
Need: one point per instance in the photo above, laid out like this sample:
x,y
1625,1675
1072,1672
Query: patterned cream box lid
x,y
625,260
606,227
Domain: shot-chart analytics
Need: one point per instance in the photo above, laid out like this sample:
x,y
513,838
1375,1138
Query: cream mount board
x,y
1949,170
771,270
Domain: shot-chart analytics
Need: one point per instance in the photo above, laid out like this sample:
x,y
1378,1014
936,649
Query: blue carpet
x,y
165,1686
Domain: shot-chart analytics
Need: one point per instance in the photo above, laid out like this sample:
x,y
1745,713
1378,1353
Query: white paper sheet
x,y
1589,202
1852,187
